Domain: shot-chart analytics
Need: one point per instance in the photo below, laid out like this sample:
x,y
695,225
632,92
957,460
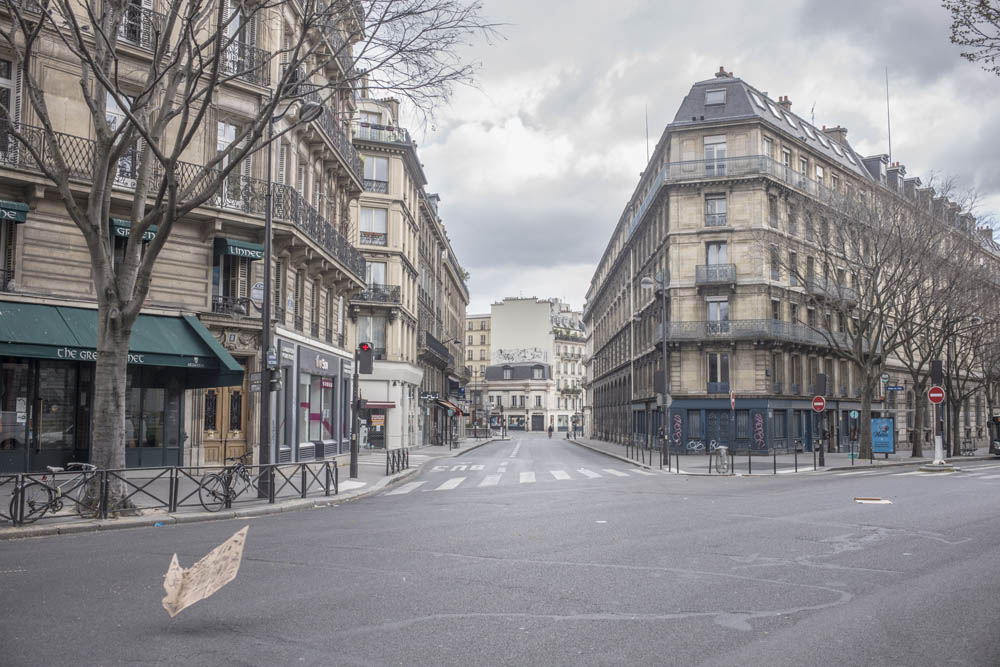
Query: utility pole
x,y
356,421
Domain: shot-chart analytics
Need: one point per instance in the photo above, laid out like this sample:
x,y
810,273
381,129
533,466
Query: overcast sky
x,y
535,166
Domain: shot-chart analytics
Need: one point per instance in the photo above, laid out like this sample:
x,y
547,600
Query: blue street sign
x,y
883,436
895,387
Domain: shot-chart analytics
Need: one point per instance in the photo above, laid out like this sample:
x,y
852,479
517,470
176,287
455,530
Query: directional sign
x,y
935,395
895,387
885,378
819,403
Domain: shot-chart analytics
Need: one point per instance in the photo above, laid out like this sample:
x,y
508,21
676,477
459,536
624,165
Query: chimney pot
x,y
785,103
722,73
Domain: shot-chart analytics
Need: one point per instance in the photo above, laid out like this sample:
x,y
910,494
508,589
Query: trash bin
x,y
722,452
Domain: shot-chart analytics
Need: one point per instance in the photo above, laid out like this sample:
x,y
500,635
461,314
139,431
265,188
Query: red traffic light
x,y
365,347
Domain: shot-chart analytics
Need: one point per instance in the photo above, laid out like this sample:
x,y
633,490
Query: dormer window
x,y
715,96
507,372
537,373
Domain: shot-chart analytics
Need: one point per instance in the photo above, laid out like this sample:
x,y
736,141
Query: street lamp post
x,y
309,111
659,282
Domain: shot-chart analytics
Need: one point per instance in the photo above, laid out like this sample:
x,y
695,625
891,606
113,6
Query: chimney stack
x,y
785,103
838,134
722,74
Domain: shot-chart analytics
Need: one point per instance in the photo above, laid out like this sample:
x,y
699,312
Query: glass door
x,y
14,416
53,422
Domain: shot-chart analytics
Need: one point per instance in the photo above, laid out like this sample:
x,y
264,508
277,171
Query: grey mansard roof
x,y
519,371
743,101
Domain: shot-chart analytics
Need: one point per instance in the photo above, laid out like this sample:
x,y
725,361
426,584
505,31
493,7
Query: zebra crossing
x,y
525,477
979,472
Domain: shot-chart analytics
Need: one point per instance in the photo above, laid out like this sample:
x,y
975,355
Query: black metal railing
x,y
292,207
789,332
377,293
138,24
230,305
830,289
715,219
713,274
337,134
314,330
340,340
380,187
437,349
385,134
6,280
374,238
247,62
278,313
110,493
396,460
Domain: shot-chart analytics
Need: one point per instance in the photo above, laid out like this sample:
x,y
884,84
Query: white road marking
x,y
406,488
516,449
588,473
527,477
638,471
902,474
991,477
490,480
616,473
560,474
450,484
349,484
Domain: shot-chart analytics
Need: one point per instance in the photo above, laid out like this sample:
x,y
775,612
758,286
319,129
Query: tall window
x,y
298,296
775,263
538,401
376,174
128,164
718,316
8,254
373,226
314,307
715,210
232,190
772,210
507,373
793,269
375,273
775,309
716,252
537,373
820,174
371,329
768,147
715,155
786,157
718,370
229,283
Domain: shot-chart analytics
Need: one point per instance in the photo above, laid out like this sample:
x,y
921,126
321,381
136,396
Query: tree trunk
x,y
919,401
865,449
955,427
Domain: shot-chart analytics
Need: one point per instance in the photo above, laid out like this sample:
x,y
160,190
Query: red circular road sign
x,y
819,403
935,395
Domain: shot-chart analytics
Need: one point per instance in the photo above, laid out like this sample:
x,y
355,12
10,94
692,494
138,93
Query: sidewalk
x,y
370,480
760,464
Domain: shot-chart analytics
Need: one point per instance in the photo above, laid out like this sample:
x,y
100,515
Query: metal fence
x,y
396,460
29,497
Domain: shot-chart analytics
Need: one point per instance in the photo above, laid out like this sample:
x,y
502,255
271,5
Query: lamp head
x,y
647,283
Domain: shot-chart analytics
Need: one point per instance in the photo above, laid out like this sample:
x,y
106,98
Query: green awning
x,y
236,248
13,211
61,332
123,228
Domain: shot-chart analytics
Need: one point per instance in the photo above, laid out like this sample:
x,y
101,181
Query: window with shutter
x,y
282,163
10,108
298,289
279,289
300,177
8,246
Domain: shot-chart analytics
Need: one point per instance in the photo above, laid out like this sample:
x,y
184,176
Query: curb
x,y
289,505
637,464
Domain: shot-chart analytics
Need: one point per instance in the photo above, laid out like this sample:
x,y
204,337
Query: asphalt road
x,y
533,551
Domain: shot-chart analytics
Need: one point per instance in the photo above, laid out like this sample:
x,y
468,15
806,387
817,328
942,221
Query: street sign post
x,y
885,378
819,404
935,395
895,387
854,414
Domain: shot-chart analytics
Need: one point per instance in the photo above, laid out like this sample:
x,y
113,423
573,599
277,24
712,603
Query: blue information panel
x,y
883,436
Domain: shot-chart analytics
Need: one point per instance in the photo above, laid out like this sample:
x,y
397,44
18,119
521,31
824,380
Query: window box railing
x,y
427,343
718,388
278,314
137,25
715,219
379,187
376,293
6,280
290,206
374,238
715,274
230,305
384,134
829,289
750,330
248,63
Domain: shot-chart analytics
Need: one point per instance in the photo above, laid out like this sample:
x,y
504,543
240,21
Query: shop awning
x,y
384,405
13,211
224,246
60,332
451,406
123,228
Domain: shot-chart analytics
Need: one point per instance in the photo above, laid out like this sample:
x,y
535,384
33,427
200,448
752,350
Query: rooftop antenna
x,y
888,117
812,114
647,133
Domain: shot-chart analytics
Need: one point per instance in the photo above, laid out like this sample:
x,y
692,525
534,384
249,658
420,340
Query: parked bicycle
x,y
218,489
40,497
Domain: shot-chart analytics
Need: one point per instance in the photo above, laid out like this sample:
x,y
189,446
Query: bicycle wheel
x,y
38,499
212,492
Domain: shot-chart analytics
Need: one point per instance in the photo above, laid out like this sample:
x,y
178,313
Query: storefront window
x,y
315,408
13,405
305,383
329,408
56,405
133,408
279,416
154,403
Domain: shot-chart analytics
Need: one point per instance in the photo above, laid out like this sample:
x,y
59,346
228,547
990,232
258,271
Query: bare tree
x,y
160,109
975,25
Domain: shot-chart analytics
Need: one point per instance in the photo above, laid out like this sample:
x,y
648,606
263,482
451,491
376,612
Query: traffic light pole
x,y
356,421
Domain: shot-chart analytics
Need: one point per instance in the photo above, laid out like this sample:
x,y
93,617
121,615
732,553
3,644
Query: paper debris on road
x,y
873,501
204,578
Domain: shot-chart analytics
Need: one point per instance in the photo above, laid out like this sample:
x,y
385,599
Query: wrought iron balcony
x,y
717,388
380,187
289,205
137,26
715,274
7,283
337,136
383,134
374,238
377,293
435,349
715,219
248,63
828,288
231,305
752,330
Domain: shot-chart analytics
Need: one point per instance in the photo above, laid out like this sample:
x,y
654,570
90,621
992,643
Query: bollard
x,y
774,453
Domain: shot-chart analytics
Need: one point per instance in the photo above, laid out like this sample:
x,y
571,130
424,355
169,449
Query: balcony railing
x,y
231,305
715,219
335,132
376,293
6,280
385,134
829,289
374,238
248,63
428,343
137,25
714,274
779,330
291,206
380,187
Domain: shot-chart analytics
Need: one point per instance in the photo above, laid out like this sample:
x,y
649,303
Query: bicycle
x,y
216,489
39,498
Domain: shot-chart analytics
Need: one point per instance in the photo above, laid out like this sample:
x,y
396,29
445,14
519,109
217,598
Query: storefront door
x,y
537,422
716,429
225,422
14,404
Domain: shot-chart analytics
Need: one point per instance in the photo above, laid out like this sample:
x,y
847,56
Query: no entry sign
x,y
935,395
819,403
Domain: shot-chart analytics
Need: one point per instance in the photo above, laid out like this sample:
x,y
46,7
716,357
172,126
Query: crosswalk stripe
x,y
406,488
589,473
991,477
616,473
450,484
643,472
901,474
527,477
490,480
560,474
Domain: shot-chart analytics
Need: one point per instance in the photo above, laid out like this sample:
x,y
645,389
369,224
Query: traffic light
x,y
936,373
362,404
366,356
